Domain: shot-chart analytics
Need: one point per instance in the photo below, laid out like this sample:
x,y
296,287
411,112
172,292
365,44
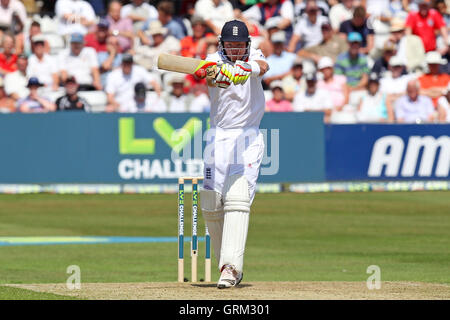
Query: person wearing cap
x,y
8,59
294,81
34,102
381,65
425,23
313,99
434,81
332,46
120,85
97,39
71,101
278,103
307,31
195,46
372,106
353,64
139,11
120,27
81,62
177,100
146,100
414,107
444,106
237,107
43,66
341,12
334,84
7,104
16,82
74,16
280,61
359,24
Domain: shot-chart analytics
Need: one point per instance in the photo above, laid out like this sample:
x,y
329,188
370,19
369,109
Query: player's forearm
x,y
263,67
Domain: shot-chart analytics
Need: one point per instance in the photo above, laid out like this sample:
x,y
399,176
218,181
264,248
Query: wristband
x,y
256,70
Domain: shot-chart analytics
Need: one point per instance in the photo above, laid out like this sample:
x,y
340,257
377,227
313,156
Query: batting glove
x,y
242,71
225,76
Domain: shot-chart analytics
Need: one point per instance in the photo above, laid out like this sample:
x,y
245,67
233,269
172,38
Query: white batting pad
x,y
212,209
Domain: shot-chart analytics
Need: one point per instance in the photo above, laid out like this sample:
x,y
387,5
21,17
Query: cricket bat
x,y
181,64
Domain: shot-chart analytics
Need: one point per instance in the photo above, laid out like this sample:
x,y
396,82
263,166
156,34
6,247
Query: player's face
x,y
235,50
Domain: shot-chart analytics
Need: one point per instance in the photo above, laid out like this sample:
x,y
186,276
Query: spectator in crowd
x,y
280,61
261,12
16,82
377,8
300,8
200,101
353,64
177,100
413,107
27,42
359,24
8,59
139,11
7,104
444,106
381,65
434,81
372,106
34,102
278,103
313,99
146,101
271,27
334,84
97,39
71,101
81,62
162,42
195,46
43,66
75,16
120,85
215,13
341,12
331,46
308,31
294,81
120,27
442,8
11,12
109,60
409,47
425,23
166,13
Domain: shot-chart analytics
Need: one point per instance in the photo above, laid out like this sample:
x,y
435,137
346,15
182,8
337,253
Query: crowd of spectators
x,y
353,60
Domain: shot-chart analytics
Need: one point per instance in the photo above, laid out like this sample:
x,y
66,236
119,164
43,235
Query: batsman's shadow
x,y
214,285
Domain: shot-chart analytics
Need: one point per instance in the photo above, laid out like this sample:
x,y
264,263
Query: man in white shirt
x,y
16,82
81,62
43,66
8,8
139,11
215,13
120,85
74,16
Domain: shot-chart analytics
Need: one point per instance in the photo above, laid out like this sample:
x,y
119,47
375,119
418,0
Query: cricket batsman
x,y
234,147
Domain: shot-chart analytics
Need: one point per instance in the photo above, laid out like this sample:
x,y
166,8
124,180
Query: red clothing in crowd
x,y
8,64
189,47
90,40
425,27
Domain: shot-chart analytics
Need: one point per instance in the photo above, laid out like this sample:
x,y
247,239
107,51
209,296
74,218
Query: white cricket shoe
x,y
229,277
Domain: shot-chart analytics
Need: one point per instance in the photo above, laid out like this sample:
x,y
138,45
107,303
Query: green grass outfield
x,y
292,237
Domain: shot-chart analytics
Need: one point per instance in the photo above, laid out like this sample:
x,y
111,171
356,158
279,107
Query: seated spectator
x,y
97,39
294,81
139,11
278,103
300,8
146,101
34,102
120,27
11,12
147,55
166,12
425,23
444,106
313,99
43,66
372,106
353,64
307,30
195,46
75,16
71,101
341,12
176,100
81,62
334,84
442,8
270,28
109,60
381,65
414,108
331,46
261,12
200,102
280,61
359,24
120,85
27,42
8,59
16,82
434,81
7,104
